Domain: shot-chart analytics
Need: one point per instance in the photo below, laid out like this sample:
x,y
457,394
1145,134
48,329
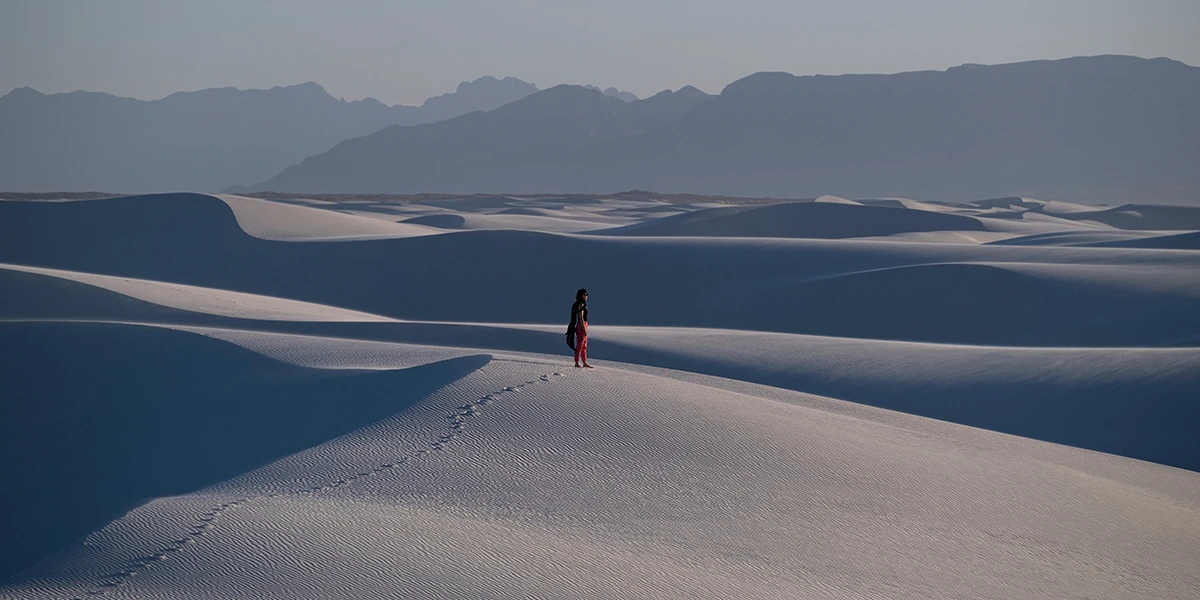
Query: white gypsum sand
x,y
203,403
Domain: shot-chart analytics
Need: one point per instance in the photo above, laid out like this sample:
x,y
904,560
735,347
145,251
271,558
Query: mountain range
x,y
204,140
485,149
1103,128
1086,129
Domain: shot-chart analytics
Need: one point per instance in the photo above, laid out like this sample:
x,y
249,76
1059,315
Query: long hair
x,y
579,294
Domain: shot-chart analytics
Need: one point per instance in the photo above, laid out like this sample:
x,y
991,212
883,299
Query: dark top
x,y
578,309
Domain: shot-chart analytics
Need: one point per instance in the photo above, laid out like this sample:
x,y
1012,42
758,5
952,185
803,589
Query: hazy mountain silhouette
x,y
485,150
205,140
615,93
484,93
1092,128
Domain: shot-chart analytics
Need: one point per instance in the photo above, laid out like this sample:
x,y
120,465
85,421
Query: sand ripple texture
x,y
518,482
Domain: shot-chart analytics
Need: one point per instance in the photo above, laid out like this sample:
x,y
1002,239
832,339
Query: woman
x,y
578,326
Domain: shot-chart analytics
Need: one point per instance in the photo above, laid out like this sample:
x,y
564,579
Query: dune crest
x,y
268,220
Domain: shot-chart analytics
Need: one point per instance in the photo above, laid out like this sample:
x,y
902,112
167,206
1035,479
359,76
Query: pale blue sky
x,y
405,51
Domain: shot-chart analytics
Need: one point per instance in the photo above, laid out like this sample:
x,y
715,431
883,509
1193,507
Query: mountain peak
x,y
485,93
490,82
569,89
759,83
613,92
483,86
686,91
24,92
308,91
308,88
566,97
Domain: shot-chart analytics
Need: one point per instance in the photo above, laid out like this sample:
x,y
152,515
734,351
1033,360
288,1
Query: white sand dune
x,y
513,214
505,221
945,237
480,204
966,384
122,413
519,481
829,218
1063,221
1128,216
948,293
184,297
1011,203
1054,384
1074,238
199,406
530,211
1058,207
1178,241
915,205
1043,378
537,211
1025,224
1147,216
279,221
827,199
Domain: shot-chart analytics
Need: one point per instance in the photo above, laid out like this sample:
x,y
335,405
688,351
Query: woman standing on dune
x,y
578,328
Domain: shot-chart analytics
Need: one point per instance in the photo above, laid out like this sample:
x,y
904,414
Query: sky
x,y
403,51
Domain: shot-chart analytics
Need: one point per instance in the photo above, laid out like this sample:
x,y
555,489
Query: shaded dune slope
x,y
1144,216
441,221
993,303
801,220
725,283
503,221
1074,238
1131,217
99,417
49,293
1179,241
1074,396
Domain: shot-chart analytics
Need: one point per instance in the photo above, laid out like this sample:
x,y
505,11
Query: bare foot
x,y
576,365
587,366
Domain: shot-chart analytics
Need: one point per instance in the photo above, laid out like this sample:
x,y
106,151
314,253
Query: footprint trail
x,y
207,522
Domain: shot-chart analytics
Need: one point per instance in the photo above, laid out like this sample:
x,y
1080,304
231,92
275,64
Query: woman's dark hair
x,y
580,293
